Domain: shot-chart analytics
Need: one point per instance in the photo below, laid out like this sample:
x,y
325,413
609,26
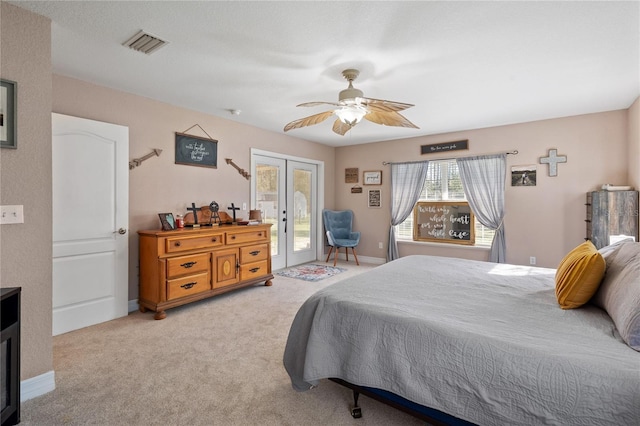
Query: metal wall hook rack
x,y
137,161
243,172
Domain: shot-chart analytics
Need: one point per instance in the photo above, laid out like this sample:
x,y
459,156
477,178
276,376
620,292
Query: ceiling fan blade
x,y
308,121
311,104
341,128
391,118
382,105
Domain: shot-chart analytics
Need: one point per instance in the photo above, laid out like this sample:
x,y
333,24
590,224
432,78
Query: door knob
x,y
122,231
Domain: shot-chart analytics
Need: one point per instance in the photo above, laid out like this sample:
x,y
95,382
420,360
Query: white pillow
x,y
619,292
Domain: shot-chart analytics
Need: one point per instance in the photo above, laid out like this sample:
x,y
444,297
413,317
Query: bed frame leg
x,y
356,412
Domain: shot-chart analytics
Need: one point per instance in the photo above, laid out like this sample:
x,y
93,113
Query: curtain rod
x,y
384,163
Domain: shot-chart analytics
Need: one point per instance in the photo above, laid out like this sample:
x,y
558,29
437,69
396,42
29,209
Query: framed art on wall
x,y
8,100
372,177
196,151
351,175
374,199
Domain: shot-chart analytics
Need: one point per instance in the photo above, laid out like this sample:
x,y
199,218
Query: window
x,y
443,183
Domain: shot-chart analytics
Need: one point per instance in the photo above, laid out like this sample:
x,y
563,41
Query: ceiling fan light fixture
x,y
351,115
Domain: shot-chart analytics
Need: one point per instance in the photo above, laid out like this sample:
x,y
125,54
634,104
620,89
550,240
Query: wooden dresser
x,y
182,266
610,214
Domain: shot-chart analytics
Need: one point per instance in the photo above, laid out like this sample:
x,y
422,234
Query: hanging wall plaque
x,y
196,151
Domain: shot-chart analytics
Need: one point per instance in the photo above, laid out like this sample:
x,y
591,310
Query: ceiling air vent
x,y
144,42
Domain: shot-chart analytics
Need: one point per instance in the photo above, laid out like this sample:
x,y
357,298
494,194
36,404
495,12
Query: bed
x,y
481,342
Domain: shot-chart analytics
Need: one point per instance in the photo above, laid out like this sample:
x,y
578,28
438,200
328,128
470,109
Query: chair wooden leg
x,y
335,258
353,249
329,254
346,253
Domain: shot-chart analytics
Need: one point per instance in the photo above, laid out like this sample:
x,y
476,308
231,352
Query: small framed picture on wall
x,y
372,177
374,199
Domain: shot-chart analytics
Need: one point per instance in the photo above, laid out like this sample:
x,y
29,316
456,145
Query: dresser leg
x,y
142,309
160,315
268,283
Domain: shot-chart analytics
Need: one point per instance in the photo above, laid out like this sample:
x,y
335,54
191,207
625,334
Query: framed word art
x,y
444,222
372,177
196,151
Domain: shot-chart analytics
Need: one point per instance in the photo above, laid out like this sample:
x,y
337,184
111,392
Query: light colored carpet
x,y
213,362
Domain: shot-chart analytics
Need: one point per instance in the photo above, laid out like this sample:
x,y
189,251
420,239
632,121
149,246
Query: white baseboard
x,y
37,386
364,259
133,305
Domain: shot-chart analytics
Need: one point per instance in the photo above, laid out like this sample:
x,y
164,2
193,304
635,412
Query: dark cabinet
x,y
611,215
10,355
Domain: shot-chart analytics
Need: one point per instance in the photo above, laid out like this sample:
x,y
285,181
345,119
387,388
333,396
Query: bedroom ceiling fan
x,y
352,107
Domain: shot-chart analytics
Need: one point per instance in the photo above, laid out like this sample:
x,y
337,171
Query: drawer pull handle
x,y
254,253
233,237
188,264
254,270
213,240
187,286
259,234
177,243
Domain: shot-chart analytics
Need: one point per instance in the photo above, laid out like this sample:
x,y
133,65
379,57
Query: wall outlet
x,y
11,214
532,260
244,206
380,245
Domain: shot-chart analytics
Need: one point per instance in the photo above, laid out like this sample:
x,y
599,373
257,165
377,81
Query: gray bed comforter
x,y
481,341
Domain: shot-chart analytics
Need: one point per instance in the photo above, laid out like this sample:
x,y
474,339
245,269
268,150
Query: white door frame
x,y
320,187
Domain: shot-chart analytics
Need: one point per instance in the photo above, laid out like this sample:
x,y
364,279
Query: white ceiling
x,y
464,65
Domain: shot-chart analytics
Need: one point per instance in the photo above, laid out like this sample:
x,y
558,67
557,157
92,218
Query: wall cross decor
x,y
552,160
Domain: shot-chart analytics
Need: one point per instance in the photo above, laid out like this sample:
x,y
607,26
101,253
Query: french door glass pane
x,y
267,199
302,180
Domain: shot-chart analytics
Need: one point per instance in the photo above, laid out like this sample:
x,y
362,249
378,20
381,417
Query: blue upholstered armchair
x,y
339,227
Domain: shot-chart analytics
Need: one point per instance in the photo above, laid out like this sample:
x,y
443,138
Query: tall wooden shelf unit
x,y
181,266
611,213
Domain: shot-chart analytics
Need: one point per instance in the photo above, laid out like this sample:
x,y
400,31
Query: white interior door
x,y
286,191
90,176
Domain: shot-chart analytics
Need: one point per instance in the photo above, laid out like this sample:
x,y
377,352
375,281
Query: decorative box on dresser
x,y
611,213
182,266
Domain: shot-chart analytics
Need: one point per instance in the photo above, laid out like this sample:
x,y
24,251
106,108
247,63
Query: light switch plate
x,y
11,214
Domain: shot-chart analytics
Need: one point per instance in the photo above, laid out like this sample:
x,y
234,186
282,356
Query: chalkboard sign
x,y
196,151
444,222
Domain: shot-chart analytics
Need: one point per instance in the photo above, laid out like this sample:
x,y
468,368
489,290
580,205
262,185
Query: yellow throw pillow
x,y
579,275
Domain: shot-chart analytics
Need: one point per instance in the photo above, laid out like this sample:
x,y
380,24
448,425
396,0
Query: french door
x,y
285,190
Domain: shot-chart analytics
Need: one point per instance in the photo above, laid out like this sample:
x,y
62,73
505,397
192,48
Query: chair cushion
x,y
579,275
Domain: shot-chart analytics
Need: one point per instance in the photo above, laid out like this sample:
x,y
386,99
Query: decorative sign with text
x,y
444,147
196,151
444,222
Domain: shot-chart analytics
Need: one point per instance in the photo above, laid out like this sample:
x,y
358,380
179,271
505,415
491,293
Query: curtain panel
x,y
407,181
483,179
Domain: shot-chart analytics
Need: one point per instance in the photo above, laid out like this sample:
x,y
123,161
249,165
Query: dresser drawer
x,y
182,265
178,244
257,236
254,253
254,270
186,286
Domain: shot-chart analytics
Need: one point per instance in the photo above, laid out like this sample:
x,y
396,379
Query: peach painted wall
x,y
159,185
25,175
545,221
